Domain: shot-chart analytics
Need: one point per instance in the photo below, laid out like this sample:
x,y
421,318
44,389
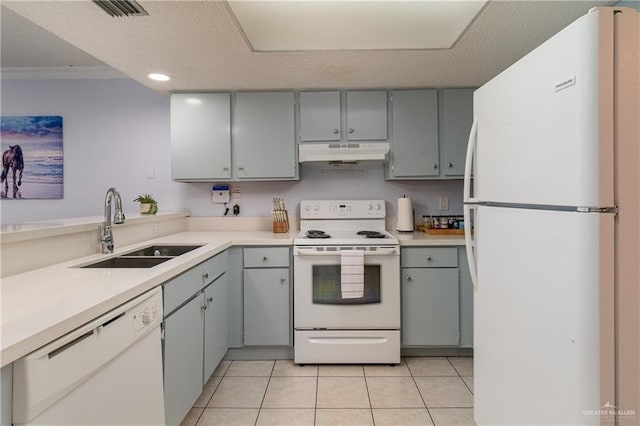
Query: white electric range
x,y
330,328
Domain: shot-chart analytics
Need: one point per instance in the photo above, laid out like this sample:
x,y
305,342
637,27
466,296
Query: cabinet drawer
x,y
262,257
213,268
429,257
180,288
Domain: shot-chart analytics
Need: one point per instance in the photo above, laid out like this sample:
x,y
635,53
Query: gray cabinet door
x,y
414,141
366,115
200,136
264,135
430,307
266,306
466,301
457,117
216,325
320,116
182,360
6,394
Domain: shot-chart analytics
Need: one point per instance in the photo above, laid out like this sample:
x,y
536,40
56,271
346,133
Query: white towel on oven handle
x,y
352,273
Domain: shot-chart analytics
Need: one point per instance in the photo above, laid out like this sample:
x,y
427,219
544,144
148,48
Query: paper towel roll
x,y
404,219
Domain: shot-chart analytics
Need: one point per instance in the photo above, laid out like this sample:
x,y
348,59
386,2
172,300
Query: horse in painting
x,y
12,159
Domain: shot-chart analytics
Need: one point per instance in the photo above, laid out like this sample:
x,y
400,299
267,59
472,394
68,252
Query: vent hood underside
x,y
343,152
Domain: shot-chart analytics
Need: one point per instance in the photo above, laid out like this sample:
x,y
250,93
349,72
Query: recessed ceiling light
x,y
193,101
159,77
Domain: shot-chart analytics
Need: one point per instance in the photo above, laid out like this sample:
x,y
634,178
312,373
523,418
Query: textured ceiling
x,y
200,46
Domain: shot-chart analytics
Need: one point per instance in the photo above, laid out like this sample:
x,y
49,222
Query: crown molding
x,y
60,73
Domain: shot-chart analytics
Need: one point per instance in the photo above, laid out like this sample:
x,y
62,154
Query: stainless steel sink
x,y
128,262
160,250
146,257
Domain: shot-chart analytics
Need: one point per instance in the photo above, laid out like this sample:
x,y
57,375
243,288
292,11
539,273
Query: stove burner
x,y
372,234
314,233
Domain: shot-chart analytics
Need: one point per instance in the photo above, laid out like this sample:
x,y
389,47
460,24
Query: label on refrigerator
x,y
566,83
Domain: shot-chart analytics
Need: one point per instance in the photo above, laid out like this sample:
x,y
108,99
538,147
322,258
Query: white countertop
x,y
39,306
419,238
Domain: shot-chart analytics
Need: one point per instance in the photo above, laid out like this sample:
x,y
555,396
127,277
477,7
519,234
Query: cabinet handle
x,y
203,308
241,169
226,169
429,259
450,165
283,279
408,278
265,258
350,130
336,131
205,275
210,300
435,165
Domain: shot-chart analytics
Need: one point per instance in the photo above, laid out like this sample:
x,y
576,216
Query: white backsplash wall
x,y
317,183
113,130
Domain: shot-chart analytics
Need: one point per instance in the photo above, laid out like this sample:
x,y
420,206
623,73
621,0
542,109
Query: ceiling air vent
x,y
118,8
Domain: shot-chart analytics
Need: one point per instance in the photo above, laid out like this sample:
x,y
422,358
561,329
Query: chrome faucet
x,y
106,234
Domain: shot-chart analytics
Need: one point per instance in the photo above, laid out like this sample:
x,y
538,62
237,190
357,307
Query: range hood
x,y
343,152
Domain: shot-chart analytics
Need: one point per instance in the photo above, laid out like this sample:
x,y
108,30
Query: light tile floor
x,y
418,391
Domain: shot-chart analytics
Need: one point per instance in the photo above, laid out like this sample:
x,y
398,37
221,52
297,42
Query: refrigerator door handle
x,y
471,147
468,242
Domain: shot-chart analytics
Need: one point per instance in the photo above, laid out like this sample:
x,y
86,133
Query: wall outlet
x,y
157,228
444,203
235,192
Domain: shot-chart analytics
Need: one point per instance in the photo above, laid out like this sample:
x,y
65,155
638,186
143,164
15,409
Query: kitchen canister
x,y
404,217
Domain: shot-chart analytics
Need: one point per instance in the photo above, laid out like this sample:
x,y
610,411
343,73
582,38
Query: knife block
x,y
282,227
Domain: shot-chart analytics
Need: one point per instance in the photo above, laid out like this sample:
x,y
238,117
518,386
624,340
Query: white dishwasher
x,y
107,372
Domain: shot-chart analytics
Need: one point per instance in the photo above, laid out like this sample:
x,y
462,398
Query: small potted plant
x,y
148,205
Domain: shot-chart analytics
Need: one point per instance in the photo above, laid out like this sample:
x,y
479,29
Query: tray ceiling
x,y
202,47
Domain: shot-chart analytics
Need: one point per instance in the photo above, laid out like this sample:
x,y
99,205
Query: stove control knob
x,y
307,208
369,207
377,206
316,207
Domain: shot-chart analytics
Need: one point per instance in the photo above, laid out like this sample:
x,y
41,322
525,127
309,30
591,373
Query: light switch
x,y
151,171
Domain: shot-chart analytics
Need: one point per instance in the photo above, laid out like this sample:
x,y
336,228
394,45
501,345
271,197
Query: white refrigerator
x,y
554,156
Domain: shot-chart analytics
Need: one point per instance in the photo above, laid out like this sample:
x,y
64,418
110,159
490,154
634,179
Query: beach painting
x,y
31,153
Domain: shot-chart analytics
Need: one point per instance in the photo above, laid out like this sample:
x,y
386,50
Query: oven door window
x,y
327,290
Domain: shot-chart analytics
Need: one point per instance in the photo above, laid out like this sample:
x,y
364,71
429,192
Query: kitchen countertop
x,y
42,305
419,238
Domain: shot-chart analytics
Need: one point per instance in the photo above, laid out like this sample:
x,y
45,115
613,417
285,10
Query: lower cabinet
x,y
430,313
216,324
267,296
6,396
195,333
437,297
266,306
183,357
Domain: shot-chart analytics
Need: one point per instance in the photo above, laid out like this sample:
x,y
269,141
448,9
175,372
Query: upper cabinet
x,y
201,136
208,145
414,147
367,115
359,116
252,135
457,118
429,133
320,116
264,136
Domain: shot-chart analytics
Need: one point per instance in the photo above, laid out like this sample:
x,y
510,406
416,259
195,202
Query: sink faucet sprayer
x,y
106,235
